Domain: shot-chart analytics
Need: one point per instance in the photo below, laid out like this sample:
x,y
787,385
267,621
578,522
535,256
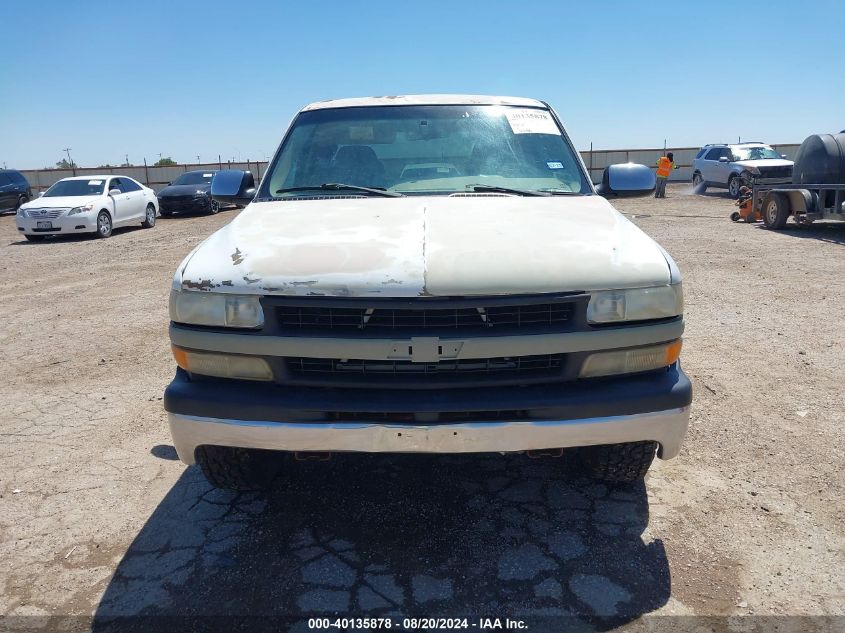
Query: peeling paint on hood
x,y
427,245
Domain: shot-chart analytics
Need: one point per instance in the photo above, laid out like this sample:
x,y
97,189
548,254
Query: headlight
x,y
212,308
83,209
629,361
636,304
222,365
23,213
201,192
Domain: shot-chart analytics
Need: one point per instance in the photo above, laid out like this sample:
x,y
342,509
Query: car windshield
x,y
754,153
425,150
194,178
93,187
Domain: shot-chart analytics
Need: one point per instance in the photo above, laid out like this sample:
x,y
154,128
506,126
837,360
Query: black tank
x,y
820,160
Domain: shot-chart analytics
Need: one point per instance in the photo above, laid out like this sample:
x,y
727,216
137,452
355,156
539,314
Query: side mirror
x,y
783,155
115,192
626,180
233,186
723,159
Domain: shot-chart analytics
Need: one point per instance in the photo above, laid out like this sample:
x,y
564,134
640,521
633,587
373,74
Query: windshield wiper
x,y
496,189
337,186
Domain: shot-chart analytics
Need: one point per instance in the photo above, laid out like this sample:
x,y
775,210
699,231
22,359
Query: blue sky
x,y
186,78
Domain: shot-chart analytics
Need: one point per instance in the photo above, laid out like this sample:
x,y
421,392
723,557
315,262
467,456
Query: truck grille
x,y
405,373
546,316
776,172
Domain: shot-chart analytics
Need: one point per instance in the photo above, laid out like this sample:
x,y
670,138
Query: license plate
x,y
44,225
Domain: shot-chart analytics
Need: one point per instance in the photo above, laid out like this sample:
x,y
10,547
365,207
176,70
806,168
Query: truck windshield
x,y
754,153
425,150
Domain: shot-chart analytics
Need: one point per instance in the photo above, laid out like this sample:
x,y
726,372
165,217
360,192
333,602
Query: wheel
x,y
775,210
34,238
150,217
104,226
214,208
735,216
22,201
698,183
734,184
238,468
621,463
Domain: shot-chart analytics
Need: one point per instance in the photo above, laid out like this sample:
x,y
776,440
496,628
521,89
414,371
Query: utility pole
x,y
127,160
70,160
198,159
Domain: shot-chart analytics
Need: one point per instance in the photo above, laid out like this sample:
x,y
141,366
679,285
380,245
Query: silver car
x,y
730,166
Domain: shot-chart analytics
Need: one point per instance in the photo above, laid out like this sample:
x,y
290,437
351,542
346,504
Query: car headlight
x,y
23,212
201,192
213,308
83,209
635,304
629,361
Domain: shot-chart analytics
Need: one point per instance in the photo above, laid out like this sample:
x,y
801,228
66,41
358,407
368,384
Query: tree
x,y
165,162
65,164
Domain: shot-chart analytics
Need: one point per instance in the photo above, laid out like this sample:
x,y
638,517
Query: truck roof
x,y
431,99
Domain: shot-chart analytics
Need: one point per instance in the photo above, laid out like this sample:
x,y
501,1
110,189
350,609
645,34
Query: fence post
x,y
219,162
146,173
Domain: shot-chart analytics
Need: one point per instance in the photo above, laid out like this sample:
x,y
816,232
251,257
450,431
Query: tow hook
x,y
545,452
312,456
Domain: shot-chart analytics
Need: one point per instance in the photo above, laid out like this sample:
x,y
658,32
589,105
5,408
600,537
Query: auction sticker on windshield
x,y
531,121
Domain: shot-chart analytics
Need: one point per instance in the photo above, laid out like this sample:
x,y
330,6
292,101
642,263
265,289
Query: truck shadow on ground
x,y
831,232
480,535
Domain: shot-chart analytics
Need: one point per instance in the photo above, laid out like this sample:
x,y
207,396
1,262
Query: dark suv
x,y
14,190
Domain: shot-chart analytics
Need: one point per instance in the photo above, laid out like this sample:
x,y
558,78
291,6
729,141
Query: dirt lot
x,y
99,517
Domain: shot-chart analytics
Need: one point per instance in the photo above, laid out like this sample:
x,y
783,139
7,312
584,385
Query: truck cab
x,y
429,273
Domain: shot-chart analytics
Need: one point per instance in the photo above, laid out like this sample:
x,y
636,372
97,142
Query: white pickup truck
x,y
427,274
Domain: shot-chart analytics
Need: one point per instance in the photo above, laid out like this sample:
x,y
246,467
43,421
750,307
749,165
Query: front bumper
x,y
62,225
183,203
653,406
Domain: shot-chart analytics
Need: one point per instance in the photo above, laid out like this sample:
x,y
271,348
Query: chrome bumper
x,y
668,428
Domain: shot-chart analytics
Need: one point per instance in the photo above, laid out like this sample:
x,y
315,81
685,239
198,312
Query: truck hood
x,y
426,246
765,162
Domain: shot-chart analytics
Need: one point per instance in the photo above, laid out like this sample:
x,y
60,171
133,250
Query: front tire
x,y
238,469
619,463
22,201
150,217
776,211
734,184
104,225
698,183
214,208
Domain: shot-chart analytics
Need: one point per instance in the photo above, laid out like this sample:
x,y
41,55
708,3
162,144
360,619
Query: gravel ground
x,y
98,516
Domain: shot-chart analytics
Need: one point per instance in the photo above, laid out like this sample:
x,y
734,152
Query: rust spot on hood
x,y
237,257
203,284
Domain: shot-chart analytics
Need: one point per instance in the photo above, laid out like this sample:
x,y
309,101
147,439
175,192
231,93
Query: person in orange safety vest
x,y
665,165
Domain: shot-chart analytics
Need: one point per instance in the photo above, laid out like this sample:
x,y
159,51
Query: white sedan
x,y
88,204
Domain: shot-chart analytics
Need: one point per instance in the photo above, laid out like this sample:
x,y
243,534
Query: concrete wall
x,y
596,161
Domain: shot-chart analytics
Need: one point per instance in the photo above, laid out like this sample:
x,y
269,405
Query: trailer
x,y
817,190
